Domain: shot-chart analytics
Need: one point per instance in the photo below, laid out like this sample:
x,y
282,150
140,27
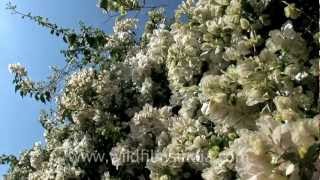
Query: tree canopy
x,y
226,90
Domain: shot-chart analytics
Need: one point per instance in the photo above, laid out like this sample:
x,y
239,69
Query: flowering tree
x,y
228,90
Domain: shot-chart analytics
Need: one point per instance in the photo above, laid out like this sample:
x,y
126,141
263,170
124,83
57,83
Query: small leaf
x,y
65,39
17,88
42,99
37,97
48,95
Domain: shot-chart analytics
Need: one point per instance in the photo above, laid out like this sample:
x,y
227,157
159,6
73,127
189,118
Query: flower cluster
x,y
18,69
276,151
226,91
123,33
122,6
23,82
82,88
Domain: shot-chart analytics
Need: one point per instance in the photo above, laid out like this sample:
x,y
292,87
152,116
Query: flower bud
x,y
214,152
244,23
291,11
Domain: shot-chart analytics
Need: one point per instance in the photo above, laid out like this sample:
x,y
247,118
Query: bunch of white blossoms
x,y
18,69
226,91
123,33
148,130
57,167
218,47
152,57
63,160
234,96
277,151
81,88
183,60
23,82
188,145
122,6
36,156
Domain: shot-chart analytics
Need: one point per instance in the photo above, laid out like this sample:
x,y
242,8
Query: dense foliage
x,y
228,90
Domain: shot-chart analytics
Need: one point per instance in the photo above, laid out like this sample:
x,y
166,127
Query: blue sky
x,y
23,41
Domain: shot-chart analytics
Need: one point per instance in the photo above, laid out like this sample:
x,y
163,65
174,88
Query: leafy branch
x,y
44,22
8,159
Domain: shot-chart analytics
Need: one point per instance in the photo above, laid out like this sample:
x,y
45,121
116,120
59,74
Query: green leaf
x,y
42,98
21,93
72,38
37,97
48,95
65,39
17,87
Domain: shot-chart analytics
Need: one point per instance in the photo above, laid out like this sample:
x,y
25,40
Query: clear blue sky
x,y
23,41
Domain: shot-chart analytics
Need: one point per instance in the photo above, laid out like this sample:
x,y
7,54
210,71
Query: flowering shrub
x,y
228,90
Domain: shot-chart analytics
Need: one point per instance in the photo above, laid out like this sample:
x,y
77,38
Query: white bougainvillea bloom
x,y
18,69
227,90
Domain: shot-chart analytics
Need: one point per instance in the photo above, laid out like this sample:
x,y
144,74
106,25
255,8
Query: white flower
x,y
290,169
36,156
17,69
125,25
